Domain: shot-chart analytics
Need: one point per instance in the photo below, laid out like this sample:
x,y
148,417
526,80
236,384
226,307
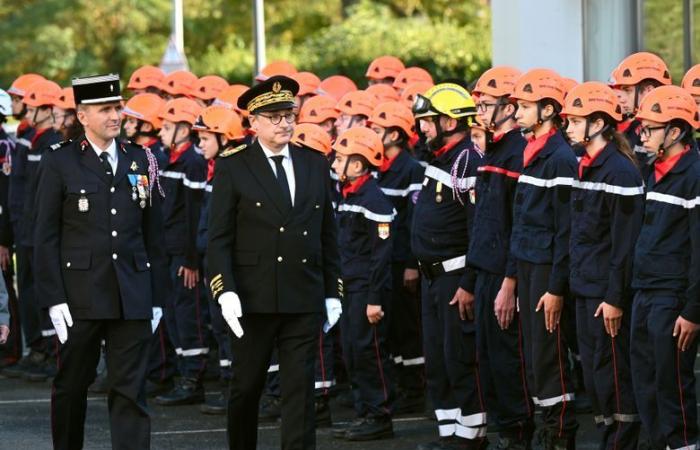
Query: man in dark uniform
x,y
272,260
100,266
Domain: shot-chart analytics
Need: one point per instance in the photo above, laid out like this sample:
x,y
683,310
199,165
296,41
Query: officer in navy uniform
x,y
101,270
272,259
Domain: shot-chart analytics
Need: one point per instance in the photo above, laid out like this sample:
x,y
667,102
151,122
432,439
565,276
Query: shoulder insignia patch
x,y
58,145
232,151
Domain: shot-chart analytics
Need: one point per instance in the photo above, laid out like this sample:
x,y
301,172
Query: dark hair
x,y
648,82
612,135
688,138
3,119
402,141
557,120
73,131
361,159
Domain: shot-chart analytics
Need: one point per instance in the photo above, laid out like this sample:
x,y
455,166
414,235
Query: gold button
x,y
279,259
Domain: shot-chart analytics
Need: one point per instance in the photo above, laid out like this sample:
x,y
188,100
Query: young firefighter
x,y
65,119
493,270
540,243
442,221
399,178
365,239
142,124
384,70
666,274
146,79
355,108
184,180
607,208
320,110
220,131
207,88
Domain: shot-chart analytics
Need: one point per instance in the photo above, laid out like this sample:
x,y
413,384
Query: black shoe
x,y
408,404
100,385
371,429
215,406
156,388
41,372
455,443
340,432
189,391
346,399
509,443
29,362
323,412
270,410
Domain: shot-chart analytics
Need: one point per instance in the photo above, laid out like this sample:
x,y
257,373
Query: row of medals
x,y
138,193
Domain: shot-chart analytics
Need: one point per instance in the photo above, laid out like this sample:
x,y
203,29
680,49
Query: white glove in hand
x,y
61,320
333,311
231,310
157,315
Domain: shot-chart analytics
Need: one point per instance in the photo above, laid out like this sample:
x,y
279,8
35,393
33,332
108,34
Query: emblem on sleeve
x,y
383,230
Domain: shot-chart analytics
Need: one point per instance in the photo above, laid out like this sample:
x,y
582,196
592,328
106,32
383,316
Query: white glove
x,y
61,320
157,315
333,311
231,310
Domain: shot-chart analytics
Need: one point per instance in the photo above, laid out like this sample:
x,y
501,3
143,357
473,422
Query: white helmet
x,y
5,104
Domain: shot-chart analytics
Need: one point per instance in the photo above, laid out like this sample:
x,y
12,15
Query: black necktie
x,y
282,179
104,156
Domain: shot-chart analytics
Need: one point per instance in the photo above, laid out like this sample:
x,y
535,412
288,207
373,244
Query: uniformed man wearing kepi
x,y
100,266
272,261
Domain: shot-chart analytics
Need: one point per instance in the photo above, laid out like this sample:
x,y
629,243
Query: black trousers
x,y
126,349
296,338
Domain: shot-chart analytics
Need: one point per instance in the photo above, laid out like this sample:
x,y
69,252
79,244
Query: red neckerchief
x,y
587,160
210,169
386,165
623,126
413,140
535,145
177,151
445,148
150,142
661,168
23,126
354,186
497,137
37,134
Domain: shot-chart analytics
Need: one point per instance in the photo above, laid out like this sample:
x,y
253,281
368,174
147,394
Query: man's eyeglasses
x,y
646,131
276,119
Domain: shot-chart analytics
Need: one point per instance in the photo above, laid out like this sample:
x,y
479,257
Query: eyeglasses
x,y
482,107
276,119
646,131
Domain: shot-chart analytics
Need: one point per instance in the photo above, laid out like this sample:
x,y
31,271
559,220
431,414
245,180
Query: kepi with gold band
x,y
274,94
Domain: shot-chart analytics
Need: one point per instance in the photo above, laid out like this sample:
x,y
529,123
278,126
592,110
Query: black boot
x,y
188,391
511,443
340,432
156,388
371,429
100,385
410,404
27,363
42,371
323,412
215,406
270,409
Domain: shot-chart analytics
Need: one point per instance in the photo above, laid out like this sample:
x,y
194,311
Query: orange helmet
x,y
66,99
145,107
181,109
208,87
691,80
639,67
336,86
393,114
21,84
361,141
308,82
180,82
383,92
539,84
318,109
145,77
357,103
42,93
312,136
221,120
408,96
568,84
667,103
229,97
384,67
498,81
411,75
591,97
276,68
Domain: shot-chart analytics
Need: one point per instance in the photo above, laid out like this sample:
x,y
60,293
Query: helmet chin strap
x,y
587,137
494,124
540,121
662,148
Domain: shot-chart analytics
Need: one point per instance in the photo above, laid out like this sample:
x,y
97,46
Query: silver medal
x,y
83,205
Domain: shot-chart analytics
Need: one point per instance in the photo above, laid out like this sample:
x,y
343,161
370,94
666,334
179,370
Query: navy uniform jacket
x,y
183,182
203,227
107,262
18,176
400,183
542,211
277,259
7,146
41,142
607,206
365,239
644,160
441,229
489,249
667,255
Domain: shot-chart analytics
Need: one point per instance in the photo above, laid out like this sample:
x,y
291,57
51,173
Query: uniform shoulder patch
x,y
58,145
232,151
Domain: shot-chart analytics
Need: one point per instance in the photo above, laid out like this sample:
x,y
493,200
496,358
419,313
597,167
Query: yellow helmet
x,y
447,99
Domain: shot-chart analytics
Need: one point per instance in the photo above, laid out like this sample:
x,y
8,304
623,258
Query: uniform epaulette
x,y
58,145
232,151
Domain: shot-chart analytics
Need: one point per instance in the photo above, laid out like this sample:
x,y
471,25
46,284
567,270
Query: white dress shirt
x,y
111,151
286,164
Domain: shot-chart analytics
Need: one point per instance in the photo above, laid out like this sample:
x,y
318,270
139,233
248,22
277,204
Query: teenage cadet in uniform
x,y
411,75
355,108
384,70
383,92
142,124
65,119
442,221
607,208
493,269
177,84
540,244
320,110
100,267
365,240
272,260
207,88
184,180
219,130
666,274
400,177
